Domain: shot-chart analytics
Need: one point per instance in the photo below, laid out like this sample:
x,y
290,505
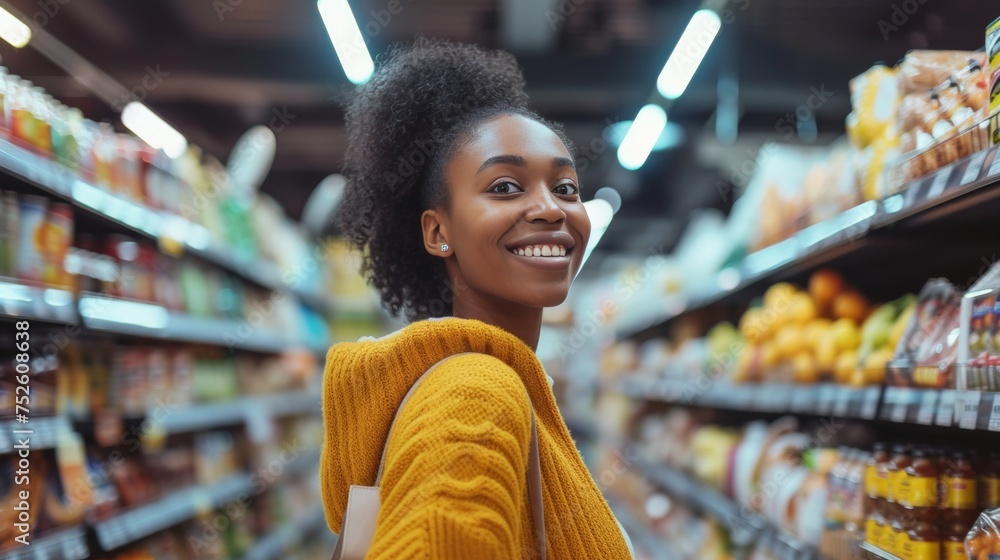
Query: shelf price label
x,y
898,413
969,410
925,414
974,168
842,402
827,394
946,409
870,404
994,425
940,182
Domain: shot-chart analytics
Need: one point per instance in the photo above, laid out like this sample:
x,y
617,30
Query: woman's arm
x,y
455,483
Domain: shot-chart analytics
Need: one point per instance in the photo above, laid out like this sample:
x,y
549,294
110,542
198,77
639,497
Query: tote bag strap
x,y
534,465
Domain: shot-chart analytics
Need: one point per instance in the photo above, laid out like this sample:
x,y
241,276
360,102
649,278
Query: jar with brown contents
x,y
989,482
918,488
959,499
876,492
895,472
923,542
953,540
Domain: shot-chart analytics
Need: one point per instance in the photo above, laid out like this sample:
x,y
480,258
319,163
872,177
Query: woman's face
x,y
514,192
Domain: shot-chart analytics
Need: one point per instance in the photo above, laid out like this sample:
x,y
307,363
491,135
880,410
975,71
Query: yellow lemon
x,y
846,365
814,332
826,353
789,341
751,325
804,368
846,334
802,309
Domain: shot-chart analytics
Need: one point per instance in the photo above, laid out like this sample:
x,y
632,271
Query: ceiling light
x,y
153,130
347,40
688,54
13,30
673,135
642,136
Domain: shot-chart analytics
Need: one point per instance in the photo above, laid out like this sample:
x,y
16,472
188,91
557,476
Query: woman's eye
x,y
567,188
505,187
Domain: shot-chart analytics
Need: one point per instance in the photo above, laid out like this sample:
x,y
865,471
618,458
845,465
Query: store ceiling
x,y
232,64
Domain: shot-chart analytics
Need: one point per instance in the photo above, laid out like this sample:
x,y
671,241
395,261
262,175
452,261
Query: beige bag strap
x,y
363,509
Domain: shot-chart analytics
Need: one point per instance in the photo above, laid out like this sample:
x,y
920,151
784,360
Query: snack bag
x,y
983,540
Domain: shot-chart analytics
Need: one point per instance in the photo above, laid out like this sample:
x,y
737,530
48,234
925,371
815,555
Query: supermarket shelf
x,y
149,320
53,179
964,193
807,245
642,537
823,399
66,544
971,410
214,415
21,301
876,552
743,526
178,506
45,431
277,542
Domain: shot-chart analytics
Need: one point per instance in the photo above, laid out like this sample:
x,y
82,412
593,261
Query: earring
x,y
444,247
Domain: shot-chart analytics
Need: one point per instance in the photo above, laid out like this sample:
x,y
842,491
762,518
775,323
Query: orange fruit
x,y
752,327
804,368
850,305
789,341
803,309
824,285
779,296
846,366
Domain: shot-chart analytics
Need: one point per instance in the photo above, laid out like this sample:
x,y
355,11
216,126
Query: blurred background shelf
x,y
181,505
277,543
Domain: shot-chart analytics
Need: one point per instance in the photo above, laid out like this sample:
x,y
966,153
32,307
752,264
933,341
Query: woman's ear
x,y
435,232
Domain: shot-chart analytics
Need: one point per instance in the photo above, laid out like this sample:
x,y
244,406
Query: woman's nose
x,y
544,206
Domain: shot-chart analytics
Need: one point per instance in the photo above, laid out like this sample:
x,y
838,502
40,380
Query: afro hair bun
x,y
402,126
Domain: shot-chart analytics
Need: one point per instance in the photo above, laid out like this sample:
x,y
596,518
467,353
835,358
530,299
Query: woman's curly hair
x,y
402,127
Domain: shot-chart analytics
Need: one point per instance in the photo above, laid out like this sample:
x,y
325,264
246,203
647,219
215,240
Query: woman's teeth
x,y
541,251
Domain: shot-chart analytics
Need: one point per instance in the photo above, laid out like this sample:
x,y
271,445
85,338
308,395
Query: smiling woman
x,y
467,208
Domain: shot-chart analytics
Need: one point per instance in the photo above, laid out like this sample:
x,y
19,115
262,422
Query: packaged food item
x,y
55,244
989,482
9,224
917,488
993,53
953,541
923,542
959,497
983,540
923,70
30,262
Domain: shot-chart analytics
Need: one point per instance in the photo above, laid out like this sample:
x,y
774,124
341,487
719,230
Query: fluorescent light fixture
x,y
642,136
600,213
153,130
13,30
673,135
688,54
347,40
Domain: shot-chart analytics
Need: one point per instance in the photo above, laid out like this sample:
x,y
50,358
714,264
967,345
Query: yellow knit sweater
x,y
455,484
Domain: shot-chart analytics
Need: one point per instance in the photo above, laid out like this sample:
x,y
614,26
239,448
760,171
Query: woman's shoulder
x,y
477,386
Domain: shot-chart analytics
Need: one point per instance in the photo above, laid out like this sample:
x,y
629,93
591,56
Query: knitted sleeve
x,y
455,480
